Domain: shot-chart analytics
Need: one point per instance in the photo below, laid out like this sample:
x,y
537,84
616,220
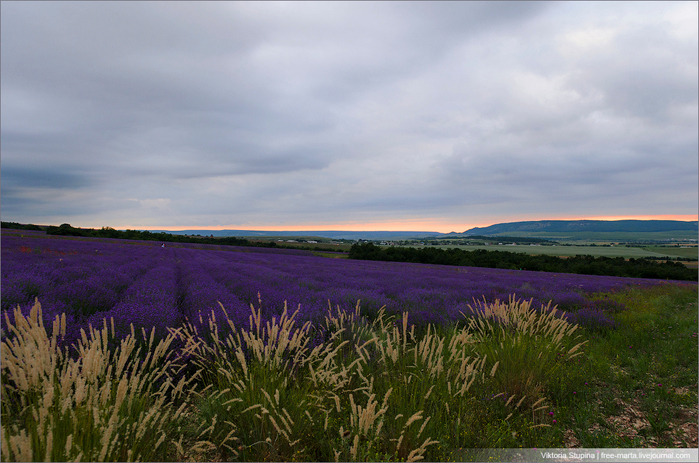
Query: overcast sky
x,y
360,115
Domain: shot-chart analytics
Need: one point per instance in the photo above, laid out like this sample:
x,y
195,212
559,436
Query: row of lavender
x,y
148,285
9,233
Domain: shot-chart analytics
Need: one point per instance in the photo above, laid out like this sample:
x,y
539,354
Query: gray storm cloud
x,y
224,113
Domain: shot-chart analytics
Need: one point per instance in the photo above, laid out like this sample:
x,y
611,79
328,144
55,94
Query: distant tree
x,y
20,226
108,232
67,230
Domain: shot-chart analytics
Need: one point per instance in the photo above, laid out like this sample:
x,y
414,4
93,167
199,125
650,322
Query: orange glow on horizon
x,y
439,226
411,225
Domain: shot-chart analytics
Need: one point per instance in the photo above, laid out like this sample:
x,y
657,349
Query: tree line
x,y
581,264
21,226
109,232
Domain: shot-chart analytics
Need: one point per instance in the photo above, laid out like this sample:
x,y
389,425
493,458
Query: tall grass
x,y
108,404
527,346
353,387
361,388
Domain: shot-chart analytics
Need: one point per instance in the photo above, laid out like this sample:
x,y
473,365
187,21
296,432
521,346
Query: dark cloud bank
x,y
262,113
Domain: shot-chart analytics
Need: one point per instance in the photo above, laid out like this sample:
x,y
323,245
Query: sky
x,y
421,116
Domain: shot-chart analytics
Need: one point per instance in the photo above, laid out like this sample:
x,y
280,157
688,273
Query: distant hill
x,y
563,227
551,229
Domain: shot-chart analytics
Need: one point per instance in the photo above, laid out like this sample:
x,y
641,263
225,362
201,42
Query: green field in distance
x,y
597,251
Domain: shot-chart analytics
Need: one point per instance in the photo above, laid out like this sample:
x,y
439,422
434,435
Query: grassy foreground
x,y
356,387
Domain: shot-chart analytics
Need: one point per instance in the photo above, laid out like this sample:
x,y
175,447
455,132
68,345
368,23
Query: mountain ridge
x,y
563,226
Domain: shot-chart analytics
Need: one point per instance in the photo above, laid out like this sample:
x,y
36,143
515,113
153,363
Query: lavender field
x,y
402,375
149,285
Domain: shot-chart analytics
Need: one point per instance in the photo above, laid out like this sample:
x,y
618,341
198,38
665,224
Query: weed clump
x,y
106,405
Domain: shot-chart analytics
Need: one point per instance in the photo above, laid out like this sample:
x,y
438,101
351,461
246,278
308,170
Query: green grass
x,y
609,236
674,251
376,388
332,255
323,244
641,380
596,251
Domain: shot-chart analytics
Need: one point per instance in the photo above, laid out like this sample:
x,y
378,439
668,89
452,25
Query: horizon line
x,y
414,225
400,226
